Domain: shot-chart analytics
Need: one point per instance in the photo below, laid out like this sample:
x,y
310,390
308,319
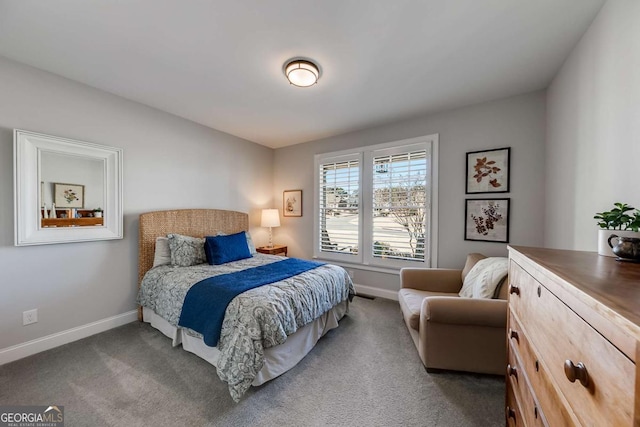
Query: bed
x,y
266,330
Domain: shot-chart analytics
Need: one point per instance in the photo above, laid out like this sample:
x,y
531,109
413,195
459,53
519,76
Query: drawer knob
x,y
576,372
513,289
511,413
514,335
512,371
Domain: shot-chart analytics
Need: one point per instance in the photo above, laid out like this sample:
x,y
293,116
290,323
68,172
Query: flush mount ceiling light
x,y
301,72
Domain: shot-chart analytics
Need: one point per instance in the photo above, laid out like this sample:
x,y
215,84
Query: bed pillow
x,y
223,249
186,250
252,247
162,254
483,279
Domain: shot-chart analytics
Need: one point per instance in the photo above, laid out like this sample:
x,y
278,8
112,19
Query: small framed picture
x,y
488,171
487,220
68,195
292,203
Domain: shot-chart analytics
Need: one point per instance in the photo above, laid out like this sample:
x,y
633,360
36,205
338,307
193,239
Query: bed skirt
x,y
277,360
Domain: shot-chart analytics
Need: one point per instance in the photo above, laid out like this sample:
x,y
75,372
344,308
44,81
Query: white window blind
x,y
376,205
399,205
339,210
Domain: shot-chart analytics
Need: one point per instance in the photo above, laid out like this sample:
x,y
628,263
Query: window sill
x,y
365,267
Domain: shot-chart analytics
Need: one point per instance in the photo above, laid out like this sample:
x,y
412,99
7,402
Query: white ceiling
x,y
219,63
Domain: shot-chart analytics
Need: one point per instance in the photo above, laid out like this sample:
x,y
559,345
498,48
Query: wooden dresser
x,y
573,334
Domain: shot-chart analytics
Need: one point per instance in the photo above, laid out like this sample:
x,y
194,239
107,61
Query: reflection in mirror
x,y
65,190
75,186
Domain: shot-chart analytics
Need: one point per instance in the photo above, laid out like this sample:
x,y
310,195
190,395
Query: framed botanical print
x,y
488,171
487,220
68,195
292,203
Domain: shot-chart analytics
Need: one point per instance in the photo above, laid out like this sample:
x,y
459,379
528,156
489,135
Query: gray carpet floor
x,y
365,373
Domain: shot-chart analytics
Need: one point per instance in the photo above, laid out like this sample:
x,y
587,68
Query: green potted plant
x,y
623,220
97,212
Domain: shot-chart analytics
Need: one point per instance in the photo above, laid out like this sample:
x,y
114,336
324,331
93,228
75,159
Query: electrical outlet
x,y
29,317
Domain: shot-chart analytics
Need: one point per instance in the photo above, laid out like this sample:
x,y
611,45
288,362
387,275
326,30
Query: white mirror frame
x,y
27,148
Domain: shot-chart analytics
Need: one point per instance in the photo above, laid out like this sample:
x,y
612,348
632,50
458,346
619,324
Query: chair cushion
x,y
411,302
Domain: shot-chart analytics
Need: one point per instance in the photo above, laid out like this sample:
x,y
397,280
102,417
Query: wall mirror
x,y
65,190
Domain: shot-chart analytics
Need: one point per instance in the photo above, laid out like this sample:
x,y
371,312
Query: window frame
x,y
365,156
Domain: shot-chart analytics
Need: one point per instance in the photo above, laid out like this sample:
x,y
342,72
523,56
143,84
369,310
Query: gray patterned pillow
x,y
186,250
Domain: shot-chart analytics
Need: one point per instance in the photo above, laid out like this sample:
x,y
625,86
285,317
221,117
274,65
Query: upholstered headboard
x,y
189,222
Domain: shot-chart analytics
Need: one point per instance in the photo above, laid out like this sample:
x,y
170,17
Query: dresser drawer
x,y
555,407
517,379
561,337
512,411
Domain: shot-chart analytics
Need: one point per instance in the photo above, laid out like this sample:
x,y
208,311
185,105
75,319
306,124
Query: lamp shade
x,y
270,218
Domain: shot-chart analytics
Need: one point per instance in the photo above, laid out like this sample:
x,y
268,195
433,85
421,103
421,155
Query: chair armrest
x,y
431,279
464,311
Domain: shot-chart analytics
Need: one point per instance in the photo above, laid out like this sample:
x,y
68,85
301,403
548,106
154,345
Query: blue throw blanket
x,y
206,301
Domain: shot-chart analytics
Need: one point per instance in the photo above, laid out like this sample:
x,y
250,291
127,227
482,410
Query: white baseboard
x,y
29,348
376,292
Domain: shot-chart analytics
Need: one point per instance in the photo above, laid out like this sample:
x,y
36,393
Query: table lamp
x,y
270,218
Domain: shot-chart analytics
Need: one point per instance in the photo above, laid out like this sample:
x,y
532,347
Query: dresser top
x,y
615,284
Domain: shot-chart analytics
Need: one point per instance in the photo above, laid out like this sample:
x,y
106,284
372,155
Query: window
x,y
376,205
339,190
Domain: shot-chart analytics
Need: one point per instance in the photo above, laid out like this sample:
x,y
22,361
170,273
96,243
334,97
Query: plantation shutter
x,y
400,204
376,206
339,206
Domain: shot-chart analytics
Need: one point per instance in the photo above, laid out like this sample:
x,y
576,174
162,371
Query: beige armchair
x,y
450,332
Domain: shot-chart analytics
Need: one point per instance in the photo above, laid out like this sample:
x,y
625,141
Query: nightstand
x,y
275,250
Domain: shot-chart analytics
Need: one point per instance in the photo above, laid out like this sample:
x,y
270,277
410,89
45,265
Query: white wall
x,y
168,163
517,122
593,128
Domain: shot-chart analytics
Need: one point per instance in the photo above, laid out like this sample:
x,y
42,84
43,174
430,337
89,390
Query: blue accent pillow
x,y
223,249
252,247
